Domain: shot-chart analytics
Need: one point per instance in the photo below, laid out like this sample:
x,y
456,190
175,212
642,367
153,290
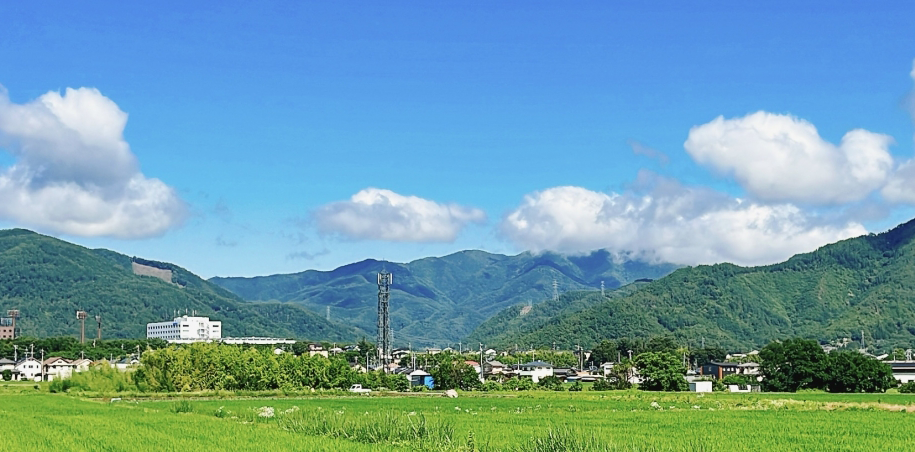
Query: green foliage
x,y
551,383
661,371
855,372
565,439
443,299
48,280
737,379
577,387
491,386
702,356
182,406
518,384
70,348
792,365
390,427
452,372
99,378
829,294
907,388
6,375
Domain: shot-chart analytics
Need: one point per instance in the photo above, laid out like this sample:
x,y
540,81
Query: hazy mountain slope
x,y
49,279
440,300
861,284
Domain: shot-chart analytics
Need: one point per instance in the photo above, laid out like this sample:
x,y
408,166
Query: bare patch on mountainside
x,y
145,270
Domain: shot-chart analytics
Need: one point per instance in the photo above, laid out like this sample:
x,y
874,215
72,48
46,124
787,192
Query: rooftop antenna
x,y
555,290
13,314
81,316
385,280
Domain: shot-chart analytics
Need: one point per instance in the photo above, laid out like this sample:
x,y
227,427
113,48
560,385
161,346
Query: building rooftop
x,y
537,364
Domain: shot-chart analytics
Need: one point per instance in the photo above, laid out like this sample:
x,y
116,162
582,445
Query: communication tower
x,y
13,314
81,316
602,288
385,279
555,290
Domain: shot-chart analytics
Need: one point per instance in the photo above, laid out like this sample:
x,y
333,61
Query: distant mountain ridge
x,y
49,279
440,300
861,288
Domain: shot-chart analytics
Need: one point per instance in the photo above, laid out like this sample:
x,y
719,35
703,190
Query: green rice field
x,y
536,421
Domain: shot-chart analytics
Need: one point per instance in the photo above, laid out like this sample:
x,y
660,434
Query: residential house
x,y
81,365
10,365
316,349
536,370
701,386
56,368
718,369
493,368
29,369
126,363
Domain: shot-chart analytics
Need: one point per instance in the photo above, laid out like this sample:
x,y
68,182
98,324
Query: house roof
x,y
495,364
419,372
717,363
54,359
471,363
6,361
537,364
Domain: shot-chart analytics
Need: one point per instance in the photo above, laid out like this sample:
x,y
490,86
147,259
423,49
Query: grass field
x,y
630,421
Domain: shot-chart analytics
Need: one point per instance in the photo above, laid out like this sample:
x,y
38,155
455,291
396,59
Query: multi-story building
x,y
185,329
6,328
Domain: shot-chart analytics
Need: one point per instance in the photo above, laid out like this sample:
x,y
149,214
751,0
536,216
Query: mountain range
x,y
859,291
439,301
48,280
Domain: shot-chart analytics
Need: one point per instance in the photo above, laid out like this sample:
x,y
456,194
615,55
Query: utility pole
x,y
81,316
482,379
98,319
43,376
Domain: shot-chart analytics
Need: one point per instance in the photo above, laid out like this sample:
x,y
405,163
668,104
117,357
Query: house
x,y
536,370
420,377
718,369
56,368
490,353
29,369
125,363
316,349
701,386
80,365
493,368
904,371
10,365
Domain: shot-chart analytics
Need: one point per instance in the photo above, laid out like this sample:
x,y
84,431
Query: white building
x,y
701,386
536,370
29,369
57,368
185,329
257,341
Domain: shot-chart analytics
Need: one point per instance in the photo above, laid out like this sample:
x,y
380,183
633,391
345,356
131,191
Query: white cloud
x,y
901,186
75,173
782,158
669,223
377,214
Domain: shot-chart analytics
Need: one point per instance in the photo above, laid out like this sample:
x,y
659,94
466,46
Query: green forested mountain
x,y
860,285
48,280
440,300
519,320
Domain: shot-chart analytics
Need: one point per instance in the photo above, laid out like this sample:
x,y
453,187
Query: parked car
x,y
358,389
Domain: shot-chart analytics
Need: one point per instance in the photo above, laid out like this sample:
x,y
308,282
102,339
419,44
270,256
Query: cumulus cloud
x,y
668,222
377,214
780,158
75,173
901,186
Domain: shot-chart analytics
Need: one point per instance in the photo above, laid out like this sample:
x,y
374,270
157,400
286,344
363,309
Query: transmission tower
x,y
385,280
13,314
602,288
555,290
81,316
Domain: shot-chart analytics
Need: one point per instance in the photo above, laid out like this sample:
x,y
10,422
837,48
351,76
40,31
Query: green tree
x,y
793,364
855,372
661,371
551,383
703,356
7,375
605,352
453,373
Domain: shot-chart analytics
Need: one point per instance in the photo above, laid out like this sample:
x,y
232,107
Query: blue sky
x,y
276,138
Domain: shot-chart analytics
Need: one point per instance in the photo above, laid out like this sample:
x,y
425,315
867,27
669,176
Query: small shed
x,y
701,386
420,377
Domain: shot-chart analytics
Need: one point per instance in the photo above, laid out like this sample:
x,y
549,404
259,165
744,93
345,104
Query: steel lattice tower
x,y
385,280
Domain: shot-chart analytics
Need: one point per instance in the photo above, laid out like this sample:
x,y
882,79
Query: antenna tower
x,y
385,279
602,288
81,316
13,314
555,290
